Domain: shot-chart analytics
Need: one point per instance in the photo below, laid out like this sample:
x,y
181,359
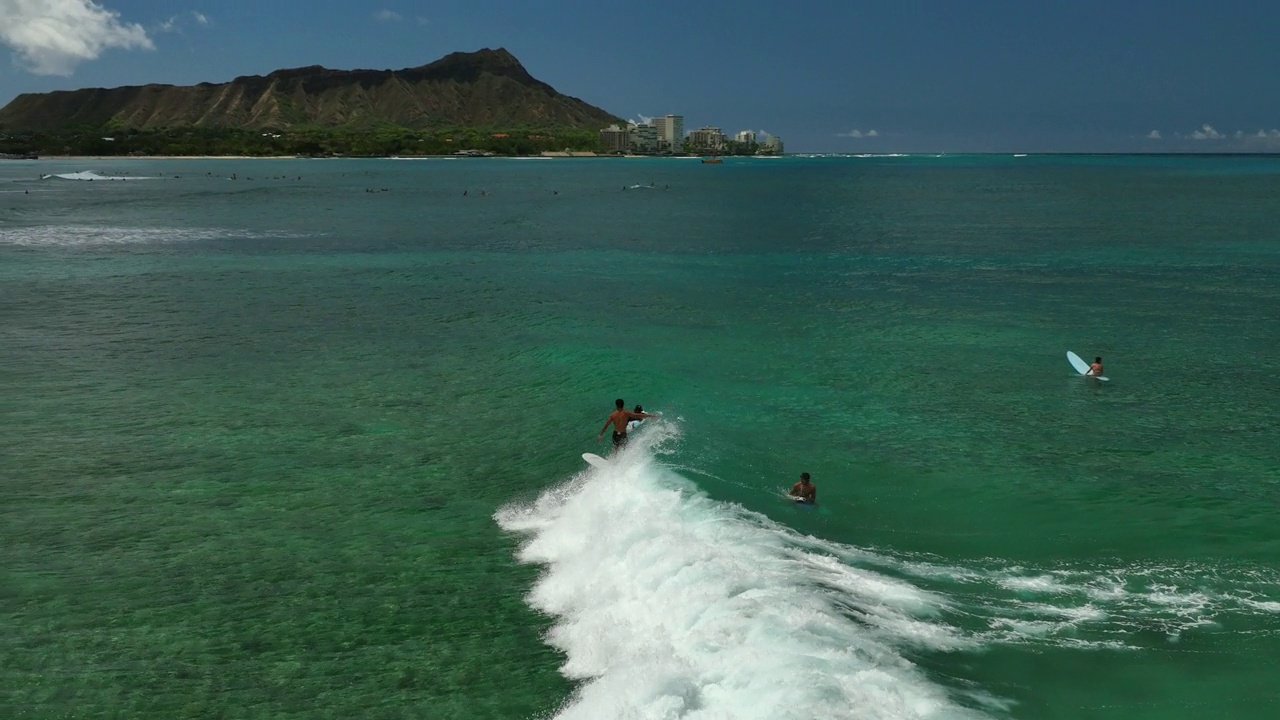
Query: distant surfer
x,y
804,490
619,419
1096,368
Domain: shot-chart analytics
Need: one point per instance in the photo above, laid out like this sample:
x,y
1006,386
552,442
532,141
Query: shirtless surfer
x,y
619,419
804,490
1096,368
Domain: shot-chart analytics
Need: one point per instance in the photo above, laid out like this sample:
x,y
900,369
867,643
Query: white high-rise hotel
x,y
670,133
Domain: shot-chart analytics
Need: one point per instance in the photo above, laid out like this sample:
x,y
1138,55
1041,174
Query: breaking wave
x,y
90,175
669,604
80,236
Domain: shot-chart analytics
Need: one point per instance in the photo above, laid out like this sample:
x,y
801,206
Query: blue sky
x,y
924,76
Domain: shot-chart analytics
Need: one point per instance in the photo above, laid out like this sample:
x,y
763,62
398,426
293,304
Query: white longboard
x,y
595,459
1081,366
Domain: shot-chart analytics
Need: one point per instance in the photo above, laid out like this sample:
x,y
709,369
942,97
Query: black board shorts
x,y
619,438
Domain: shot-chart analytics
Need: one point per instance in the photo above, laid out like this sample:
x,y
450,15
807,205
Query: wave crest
x,y
671,605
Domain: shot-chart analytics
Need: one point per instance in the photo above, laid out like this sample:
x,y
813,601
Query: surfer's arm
x,y
607,422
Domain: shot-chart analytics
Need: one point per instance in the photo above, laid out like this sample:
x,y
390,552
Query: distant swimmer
x,y
1096,367
804,490
619,419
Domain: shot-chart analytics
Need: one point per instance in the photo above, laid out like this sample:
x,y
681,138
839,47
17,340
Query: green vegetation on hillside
x,y
372,140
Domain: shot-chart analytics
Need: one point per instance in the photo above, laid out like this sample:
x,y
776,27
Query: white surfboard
x,y
1081,366
595,459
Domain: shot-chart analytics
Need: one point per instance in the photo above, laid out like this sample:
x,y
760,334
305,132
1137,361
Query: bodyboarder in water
x,y
804,490
619,419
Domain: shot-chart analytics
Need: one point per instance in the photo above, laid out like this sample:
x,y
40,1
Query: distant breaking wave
x,y
79,236
669,604
90,175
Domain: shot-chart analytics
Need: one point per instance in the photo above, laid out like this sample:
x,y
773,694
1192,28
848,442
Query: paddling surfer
x,y
804,490
1096,368
619,419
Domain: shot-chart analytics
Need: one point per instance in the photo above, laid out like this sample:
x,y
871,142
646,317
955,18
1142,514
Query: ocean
x,y
303,438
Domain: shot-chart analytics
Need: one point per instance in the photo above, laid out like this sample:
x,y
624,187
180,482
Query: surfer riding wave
x,y
620,419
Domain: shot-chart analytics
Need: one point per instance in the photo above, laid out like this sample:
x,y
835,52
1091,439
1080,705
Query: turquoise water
x,y
285,447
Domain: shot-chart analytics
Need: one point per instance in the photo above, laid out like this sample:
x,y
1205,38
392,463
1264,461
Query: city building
x,y
670,133
614,139
665,135
644,138
707,138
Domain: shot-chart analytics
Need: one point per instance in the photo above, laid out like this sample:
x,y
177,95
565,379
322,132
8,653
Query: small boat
x,y
713,160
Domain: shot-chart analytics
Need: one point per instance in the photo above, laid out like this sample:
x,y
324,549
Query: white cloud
x,y
1153,135
1262,141
52,37
859,134
387,16
422,20
174,24
1206,132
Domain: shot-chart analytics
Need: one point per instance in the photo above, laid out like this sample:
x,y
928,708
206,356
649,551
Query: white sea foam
x,y
1088,607
90,175
668,604
1033,584
671,605
74,236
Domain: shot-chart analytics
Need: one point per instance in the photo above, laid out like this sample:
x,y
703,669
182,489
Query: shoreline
x,y
552,155
168,157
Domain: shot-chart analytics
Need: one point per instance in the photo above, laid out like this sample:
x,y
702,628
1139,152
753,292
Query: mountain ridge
x,y
485,88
